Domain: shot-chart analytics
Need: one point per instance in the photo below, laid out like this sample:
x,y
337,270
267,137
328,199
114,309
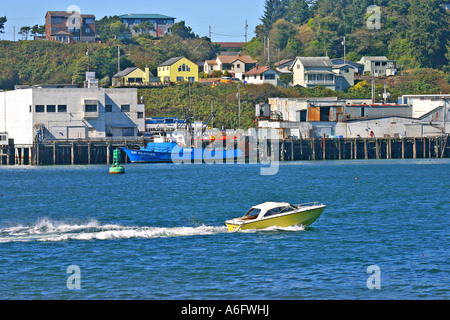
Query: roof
x,y
145,16
259,70
231,59
125,72
284,61
171,61
67,14
230,44
270,205
315,61
211,62
339,61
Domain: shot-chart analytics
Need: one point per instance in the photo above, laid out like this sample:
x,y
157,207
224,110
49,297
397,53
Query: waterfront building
x,y
178,69
69,27
348,118
58,112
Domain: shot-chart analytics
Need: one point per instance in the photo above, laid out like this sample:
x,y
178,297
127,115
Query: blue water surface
x,y
158,232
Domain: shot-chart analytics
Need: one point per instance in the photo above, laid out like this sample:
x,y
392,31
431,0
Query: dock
x,y
358,149
91,151
66,152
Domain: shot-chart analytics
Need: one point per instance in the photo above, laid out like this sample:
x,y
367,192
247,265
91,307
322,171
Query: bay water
x,y
158,232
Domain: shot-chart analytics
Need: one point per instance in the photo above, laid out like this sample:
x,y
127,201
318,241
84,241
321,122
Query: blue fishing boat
x,y
160,152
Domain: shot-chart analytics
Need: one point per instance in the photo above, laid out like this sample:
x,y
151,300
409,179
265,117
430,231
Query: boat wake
x,y
52,231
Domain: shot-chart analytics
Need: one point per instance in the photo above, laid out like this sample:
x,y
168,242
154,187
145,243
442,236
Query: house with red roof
x,y
261,75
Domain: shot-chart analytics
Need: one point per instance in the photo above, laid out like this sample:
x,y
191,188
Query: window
x,y
51,108
191,79
269,76
238,66
108,108
90,108
184,68
62,108
125,108
89,20
128,132
40,108
253,213
179,79
88,30
140,115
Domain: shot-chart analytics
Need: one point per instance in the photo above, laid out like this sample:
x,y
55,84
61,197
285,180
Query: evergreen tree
x,y
2,24
273,11
428,32
297,11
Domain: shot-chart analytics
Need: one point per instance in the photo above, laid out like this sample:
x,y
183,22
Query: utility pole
x,y
239,104
209,32
373,88
344,44
246,29
212,114
118,59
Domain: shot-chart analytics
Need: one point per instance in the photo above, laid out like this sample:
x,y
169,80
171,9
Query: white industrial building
x,y
414,116
54,112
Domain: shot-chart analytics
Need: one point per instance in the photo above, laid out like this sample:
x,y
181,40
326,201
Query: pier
x,y
359,148
85,152
65,152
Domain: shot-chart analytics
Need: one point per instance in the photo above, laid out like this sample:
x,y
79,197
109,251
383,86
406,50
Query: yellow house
x,y
178,69
132,77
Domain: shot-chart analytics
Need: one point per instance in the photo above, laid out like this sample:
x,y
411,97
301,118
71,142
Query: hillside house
x,y
235,64
69,27
161,24
261,75
133,77
379,66
178,69
310,72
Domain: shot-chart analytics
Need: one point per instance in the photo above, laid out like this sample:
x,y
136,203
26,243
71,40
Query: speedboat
x,y
280,214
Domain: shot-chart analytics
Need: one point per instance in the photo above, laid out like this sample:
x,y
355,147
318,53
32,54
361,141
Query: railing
x,y
308,204
324,82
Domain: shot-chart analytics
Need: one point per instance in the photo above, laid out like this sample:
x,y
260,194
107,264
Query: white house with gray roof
x,y
311,72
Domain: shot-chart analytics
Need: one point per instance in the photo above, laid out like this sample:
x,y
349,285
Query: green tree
x,y
24,32
118,27
37,30
281,32
180,29
144,27
273,11
298,11
103,27
428,32
2,24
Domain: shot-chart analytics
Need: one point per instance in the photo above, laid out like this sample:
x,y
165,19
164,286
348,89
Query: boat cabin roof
x,y
270,205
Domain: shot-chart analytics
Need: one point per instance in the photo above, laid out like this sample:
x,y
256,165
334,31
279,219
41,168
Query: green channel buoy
x,y
116,168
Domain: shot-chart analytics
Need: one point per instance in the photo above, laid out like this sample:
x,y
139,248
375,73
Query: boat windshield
x,y
278,210
253,213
